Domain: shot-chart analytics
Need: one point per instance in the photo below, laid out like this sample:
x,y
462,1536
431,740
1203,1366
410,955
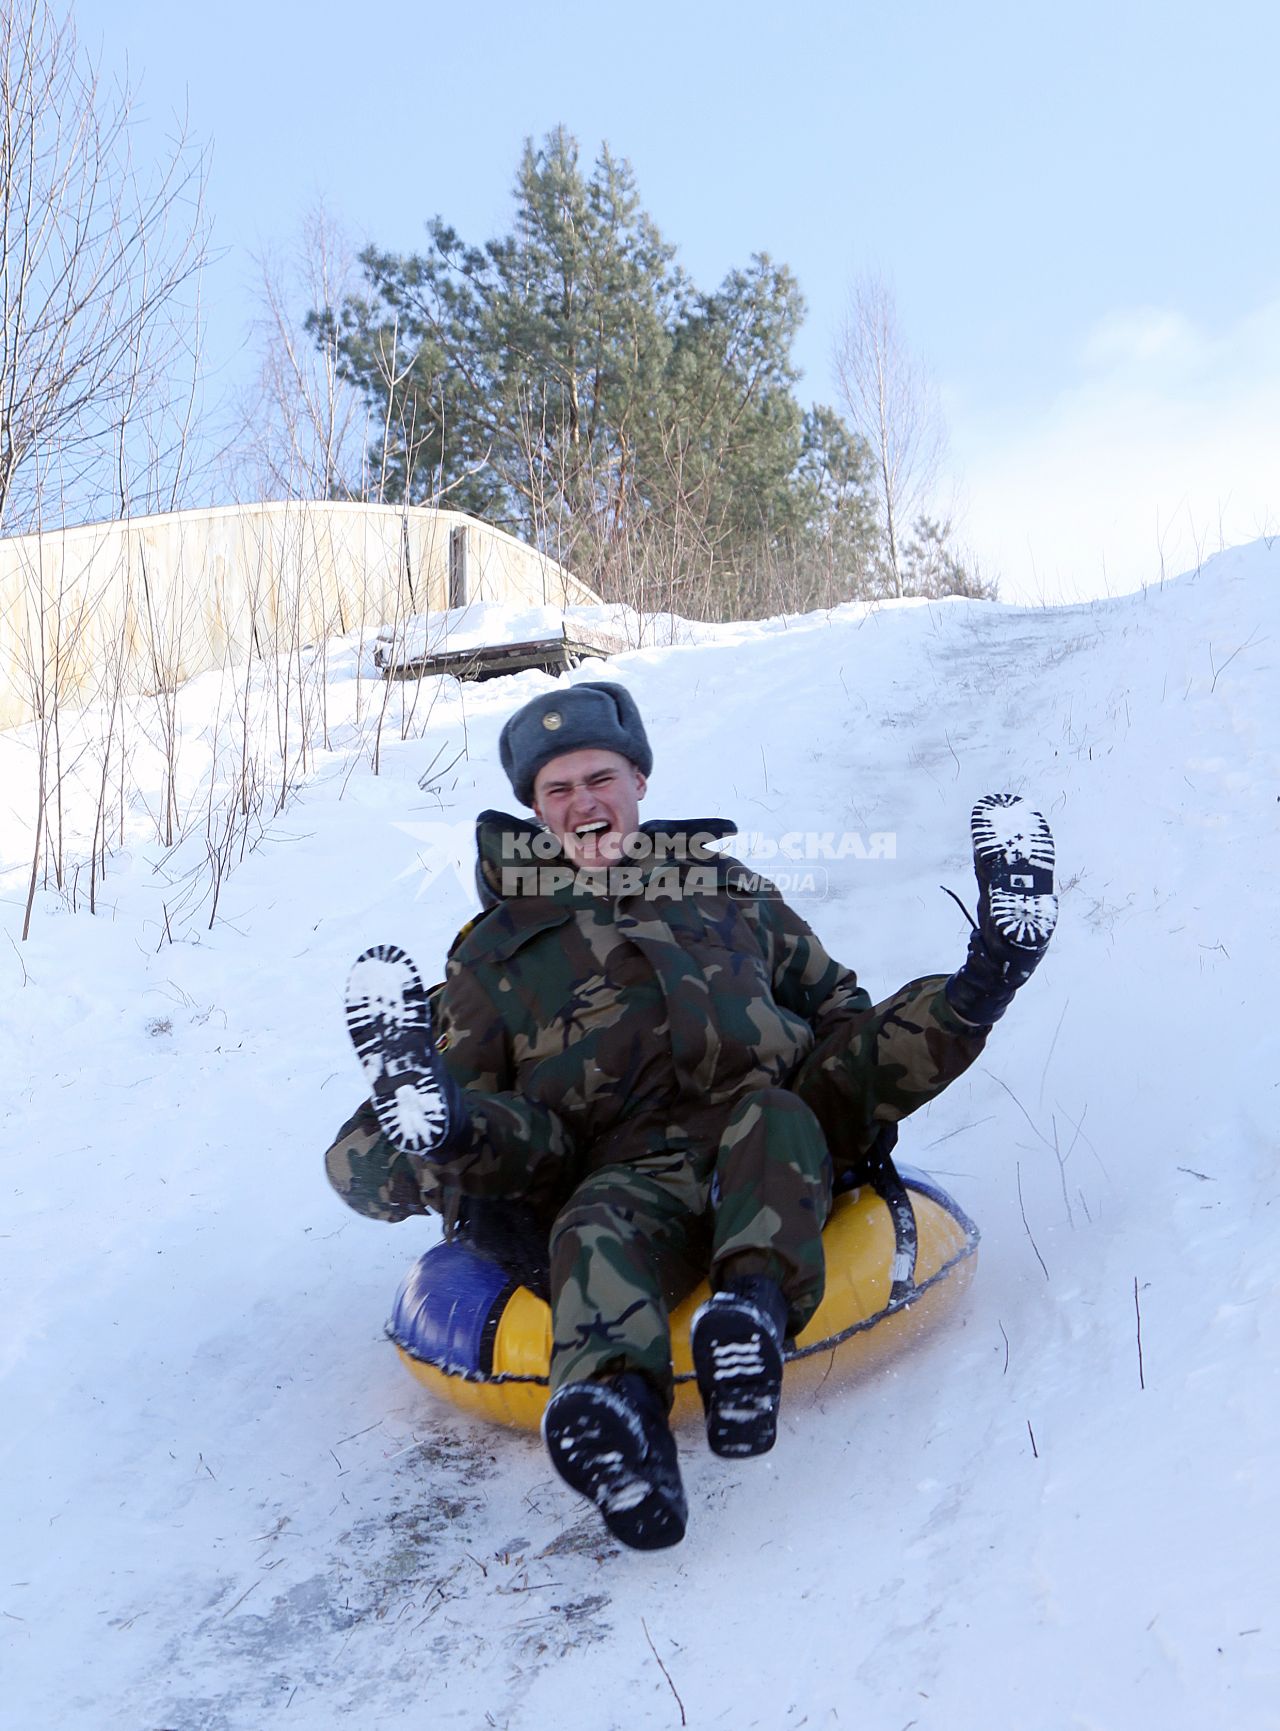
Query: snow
x,y
226,1505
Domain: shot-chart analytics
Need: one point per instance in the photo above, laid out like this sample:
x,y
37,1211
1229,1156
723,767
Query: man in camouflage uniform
x,y
654,1054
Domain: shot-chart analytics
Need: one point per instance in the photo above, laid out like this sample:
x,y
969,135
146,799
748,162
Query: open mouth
x,y
585,830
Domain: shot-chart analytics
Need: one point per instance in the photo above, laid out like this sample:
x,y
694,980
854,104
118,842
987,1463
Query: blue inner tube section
x,y
448,1308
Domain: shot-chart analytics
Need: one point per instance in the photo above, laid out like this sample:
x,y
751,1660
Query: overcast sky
x,y
1076,207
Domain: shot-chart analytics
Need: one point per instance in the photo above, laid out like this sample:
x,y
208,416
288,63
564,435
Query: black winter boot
x,y
512,1234
736,1338
610,1442
417,1103
1017,910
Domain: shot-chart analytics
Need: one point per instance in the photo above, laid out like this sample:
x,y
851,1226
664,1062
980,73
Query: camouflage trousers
x,y
740,1189
635,1238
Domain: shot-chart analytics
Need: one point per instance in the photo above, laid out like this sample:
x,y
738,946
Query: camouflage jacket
x,y
595,1017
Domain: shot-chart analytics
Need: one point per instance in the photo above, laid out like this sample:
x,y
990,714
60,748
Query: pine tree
x,y
569,382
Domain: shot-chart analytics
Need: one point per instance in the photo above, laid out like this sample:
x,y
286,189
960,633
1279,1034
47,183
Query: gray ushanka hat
x,y
595,715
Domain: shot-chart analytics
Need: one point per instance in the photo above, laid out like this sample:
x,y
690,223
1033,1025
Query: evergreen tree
x,y
932,567
837,497
569,382
512,377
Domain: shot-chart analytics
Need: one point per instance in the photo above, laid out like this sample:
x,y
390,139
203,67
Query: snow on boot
x,y
1017,909
610,1442
416,1101
736,1339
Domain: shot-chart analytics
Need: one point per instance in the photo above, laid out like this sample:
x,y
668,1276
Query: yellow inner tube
x,y
858,1324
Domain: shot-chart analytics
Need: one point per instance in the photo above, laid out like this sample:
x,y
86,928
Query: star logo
x,y
442,847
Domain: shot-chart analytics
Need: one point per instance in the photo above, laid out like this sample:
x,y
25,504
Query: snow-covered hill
x,y
227,1507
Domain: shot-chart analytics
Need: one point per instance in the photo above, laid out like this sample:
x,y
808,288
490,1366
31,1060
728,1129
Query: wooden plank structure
x,y
552,654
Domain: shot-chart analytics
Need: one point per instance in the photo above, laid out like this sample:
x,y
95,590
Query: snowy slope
x,y
226,1506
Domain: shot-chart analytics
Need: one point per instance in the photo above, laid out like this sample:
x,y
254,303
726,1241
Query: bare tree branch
x,y
98,262
305,427
892,404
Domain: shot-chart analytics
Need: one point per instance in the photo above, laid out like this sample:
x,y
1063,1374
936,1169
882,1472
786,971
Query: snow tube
x,y
467,1331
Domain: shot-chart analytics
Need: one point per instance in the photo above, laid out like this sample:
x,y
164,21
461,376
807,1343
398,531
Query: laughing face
x,y
590,801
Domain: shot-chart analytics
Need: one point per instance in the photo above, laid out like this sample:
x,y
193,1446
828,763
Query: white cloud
x,y
1165,443
1143,337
